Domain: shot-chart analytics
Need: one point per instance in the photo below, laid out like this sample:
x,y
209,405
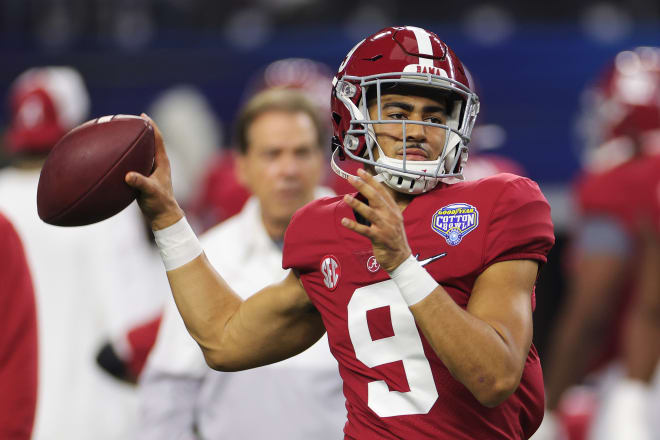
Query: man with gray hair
x,y
278,137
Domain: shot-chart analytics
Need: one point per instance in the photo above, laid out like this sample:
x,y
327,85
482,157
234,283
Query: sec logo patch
x,y
331,271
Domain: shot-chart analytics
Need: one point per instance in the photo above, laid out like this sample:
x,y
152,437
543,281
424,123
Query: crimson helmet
x,y
309,76
45,103
402,58
621,111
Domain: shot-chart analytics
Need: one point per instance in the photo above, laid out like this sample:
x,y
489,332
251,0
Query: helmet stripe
x,y
349,55
423,45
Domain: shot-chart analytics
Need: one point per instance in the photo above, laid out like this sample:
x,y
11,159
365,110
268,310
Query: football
x,y
82,180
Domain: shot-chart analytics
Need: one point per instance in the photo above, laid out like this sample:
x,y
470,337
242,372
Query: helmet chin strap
x,y
342,173
400,181
409,183
405,182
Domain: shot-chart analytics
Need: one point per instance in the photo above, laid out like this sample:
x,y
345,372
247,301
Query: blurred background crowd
x,y
560,85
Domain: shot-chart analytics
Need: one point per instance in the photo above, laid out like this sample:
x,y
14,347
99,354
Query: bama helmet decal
x,y
455,221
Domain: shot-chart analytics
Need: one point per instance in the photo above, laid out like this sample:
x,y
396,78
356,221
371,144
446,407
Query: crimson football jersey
x,y
395,385
18,338
628,194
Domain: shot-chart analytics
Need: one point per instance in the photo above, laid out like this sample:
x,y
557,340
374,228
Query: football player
x,y
612,315
423,283
18,345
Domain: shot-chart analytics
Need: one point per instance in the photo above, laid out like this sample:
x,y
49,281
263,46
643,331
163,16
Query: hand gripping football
x,y
82,180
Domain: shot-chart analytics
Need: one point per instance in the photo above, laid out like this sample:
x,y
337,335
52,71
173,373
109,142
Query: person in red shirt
x,y
18,339
423,283
608,327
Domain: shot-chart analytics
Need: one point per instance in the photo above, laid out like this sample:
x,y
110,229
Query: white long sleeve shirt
x,y
91,284
299,398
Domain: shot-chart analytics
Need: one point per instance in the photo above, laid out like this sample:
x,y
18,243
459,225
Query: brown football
x,y
82,180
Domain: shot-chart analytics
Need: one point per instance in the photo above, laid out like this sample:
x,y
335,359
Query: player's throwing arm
x,y
233,334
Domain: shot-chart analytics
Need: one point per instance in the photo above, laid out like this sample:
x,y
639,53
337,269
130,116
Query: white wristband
x,y
178,244
414,282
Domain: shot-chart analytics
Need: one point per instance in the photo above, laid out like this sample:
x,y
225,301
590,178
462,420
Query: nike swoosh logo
x,y
430,260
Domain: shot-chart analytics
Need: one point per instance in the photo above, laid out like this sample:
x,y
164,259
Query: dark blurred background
x,y
530,60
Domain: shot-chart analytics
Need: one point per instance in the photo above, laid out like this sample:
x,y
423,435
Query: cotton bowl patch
x,y
455,221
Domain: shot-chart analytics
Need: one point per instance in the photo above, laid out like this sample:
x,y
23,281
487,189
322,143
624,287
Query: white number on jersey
x,y
405,345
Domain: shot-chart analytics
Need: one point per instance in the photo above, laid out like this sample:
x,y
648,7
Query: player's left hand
x,y
386,231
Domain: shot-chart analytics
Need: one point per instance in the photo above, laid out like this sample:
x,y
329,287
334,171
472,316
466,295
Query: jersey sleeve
x,y
311,230
627,194
520,226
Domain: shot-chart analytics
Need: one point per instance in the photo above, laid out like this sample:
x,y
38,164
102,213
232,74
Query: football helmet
x,y
311,77
620,112
45,103
407,60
